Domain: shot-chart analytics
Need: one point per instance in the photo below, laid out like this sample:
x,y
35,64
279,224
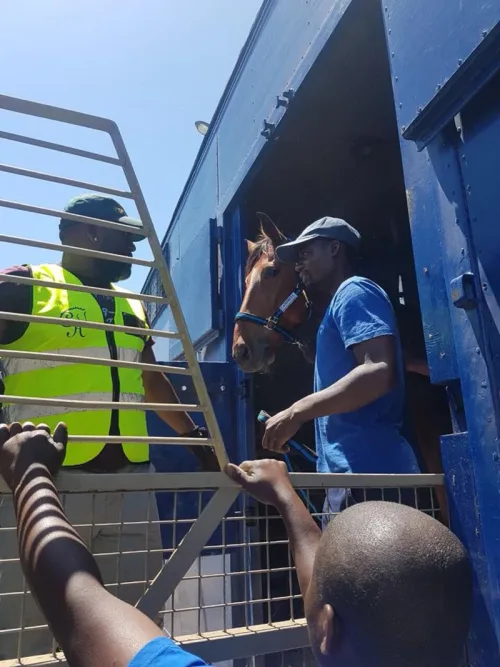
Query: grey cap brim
x,y
289,252
132,222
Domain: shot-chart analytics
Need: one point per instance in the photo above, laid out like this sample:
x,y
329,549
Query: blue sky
x,y
154,67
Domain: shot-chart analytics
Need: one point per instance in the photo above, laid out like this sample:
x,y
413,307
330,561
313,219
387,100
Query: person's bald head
x,y
391,587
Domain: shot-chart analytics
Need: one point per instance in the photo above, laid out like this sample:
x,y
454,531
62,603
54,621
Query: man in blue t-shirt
x,y
358,396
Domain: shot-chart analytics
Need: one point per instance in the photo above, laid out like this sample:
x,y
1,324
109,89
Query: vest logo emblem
x,y
75,313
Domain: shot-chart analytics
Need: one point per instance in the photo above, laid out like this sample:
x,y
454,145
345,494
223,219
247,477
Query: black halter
x,y
271,323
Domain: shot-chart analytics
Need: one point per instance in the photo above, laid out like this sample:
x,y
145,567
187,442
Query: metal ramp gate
x,y
76,482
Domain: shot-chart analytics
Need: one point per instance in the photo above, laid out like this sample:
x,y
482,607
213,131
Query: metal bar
x,y
83,288
52,178
20,317
56,113
240,643
100,405
39,210
214,647
151,440
168,285
168,481
61,148
75,359
184,556
59,247
307,480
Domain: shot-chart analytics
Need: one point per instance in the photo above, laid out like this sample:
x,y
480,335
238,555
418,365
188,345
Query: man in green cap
x,y
97,383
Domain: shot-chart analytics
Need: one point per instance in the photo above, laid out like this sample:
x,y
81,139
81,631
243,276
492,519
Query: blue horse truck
x,y
386,113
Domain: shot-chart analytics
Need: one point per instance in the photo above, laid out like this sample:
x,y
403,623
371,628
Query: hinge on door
x,y
463,291
219,235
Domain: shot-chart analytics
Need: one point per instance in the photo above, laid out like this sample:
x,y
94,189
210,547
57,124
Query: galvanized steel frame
x,y
134,193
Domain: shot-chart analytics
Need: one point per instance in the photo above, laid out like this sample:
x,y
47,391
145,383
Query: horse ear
x,y
250,246
269,229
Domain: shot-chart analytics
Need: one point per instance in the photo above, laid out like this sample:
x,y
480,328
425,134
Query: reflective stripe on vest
x,y
16,412
15,365
49,379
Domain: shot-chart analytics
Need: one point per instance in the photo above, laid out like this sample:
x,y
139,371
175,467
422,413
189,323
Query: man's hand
x,y
266,480
23,446
280,428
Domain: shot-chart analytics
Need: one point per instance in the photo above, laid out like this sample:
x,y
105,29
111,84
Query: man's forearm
x,y
304,536
363,385
56,562
159,390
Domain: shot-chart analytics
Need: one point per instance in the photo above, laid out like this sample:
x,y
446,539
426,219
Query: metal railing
x,y
134,193
225,585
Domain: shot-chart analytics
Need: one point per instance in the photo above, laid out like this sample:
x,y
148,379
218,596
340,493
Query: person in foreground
x,y
94,628
383,586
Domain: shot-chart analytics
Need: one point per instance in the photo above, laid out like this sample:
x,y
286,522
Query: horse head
x,y
274,303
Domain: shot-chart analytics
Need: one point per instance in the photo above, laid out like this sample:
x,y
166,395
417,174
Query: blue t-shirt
x,y
367,440
163,652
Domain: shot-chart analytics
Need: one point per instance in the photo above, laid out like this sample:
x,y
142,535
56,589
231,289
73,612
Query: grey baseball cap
x,y
326,228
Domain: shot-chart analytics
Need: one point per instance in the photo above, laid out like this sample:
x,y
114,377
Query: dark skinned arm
x,y
159,390
374,375
94,628
269,483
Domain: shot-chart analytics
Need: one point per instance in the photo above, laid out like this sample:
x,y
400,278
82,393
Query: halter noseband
x,y
271,323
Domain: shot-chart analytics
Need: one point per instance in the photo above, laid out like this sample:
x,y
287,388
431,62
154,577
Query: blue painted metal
x,y
220,381
458,51
441,199
442,60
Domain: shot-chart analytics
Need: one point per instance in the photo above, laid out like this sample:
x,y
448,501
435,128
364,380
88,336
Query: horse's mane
x,y
262,246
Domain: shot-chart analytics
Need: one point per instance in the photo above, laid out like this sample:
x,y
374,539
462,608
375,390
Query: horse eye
x,y
270,272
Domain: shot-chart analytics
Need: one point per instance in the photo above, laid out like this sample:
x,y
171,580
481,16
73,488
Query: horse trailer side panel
x,y
288,41
458,50
454,179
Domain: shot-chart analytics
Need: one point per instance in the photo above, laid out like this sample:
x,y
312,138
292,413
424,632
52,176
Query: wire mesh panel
x,y
237,596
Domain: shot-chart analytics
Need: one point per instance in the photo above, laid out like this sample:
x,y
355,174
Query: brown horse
x,y
261,327
268,284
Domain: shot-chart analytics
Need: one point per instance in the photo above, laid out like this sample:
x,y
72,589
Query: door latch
x,y
463,291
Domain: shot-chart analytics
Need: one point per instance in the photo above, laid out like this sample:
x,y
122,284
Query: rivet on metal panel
x,y
483,384
223,387
392,54
426,270
419,110
401,105
389,31
438,87
460,61
403,129
462,250
396,79
484,33
478,351
485,287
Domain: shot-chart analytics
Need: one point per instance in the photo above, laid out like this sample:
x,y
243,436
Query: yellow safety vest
x,y
53,379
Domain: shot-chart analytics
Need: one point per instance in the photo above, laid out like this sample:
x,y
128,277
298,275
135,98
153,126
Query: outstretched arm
x,y
94,628
269,483
159,390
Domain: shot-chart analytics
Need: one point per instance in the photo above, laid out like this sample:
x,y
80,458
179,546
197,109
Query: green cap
x,y
105,208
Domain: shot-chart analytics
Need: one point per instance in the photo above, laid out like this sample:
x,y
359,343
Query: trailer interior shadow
x,y
337,153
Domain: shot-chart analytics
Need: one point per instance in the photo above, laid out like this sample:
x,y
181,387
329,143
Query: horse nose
x,y
241,352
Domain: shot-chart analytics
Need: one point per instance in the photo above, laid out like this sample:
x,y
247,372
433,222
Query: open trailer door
x,y
446,81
